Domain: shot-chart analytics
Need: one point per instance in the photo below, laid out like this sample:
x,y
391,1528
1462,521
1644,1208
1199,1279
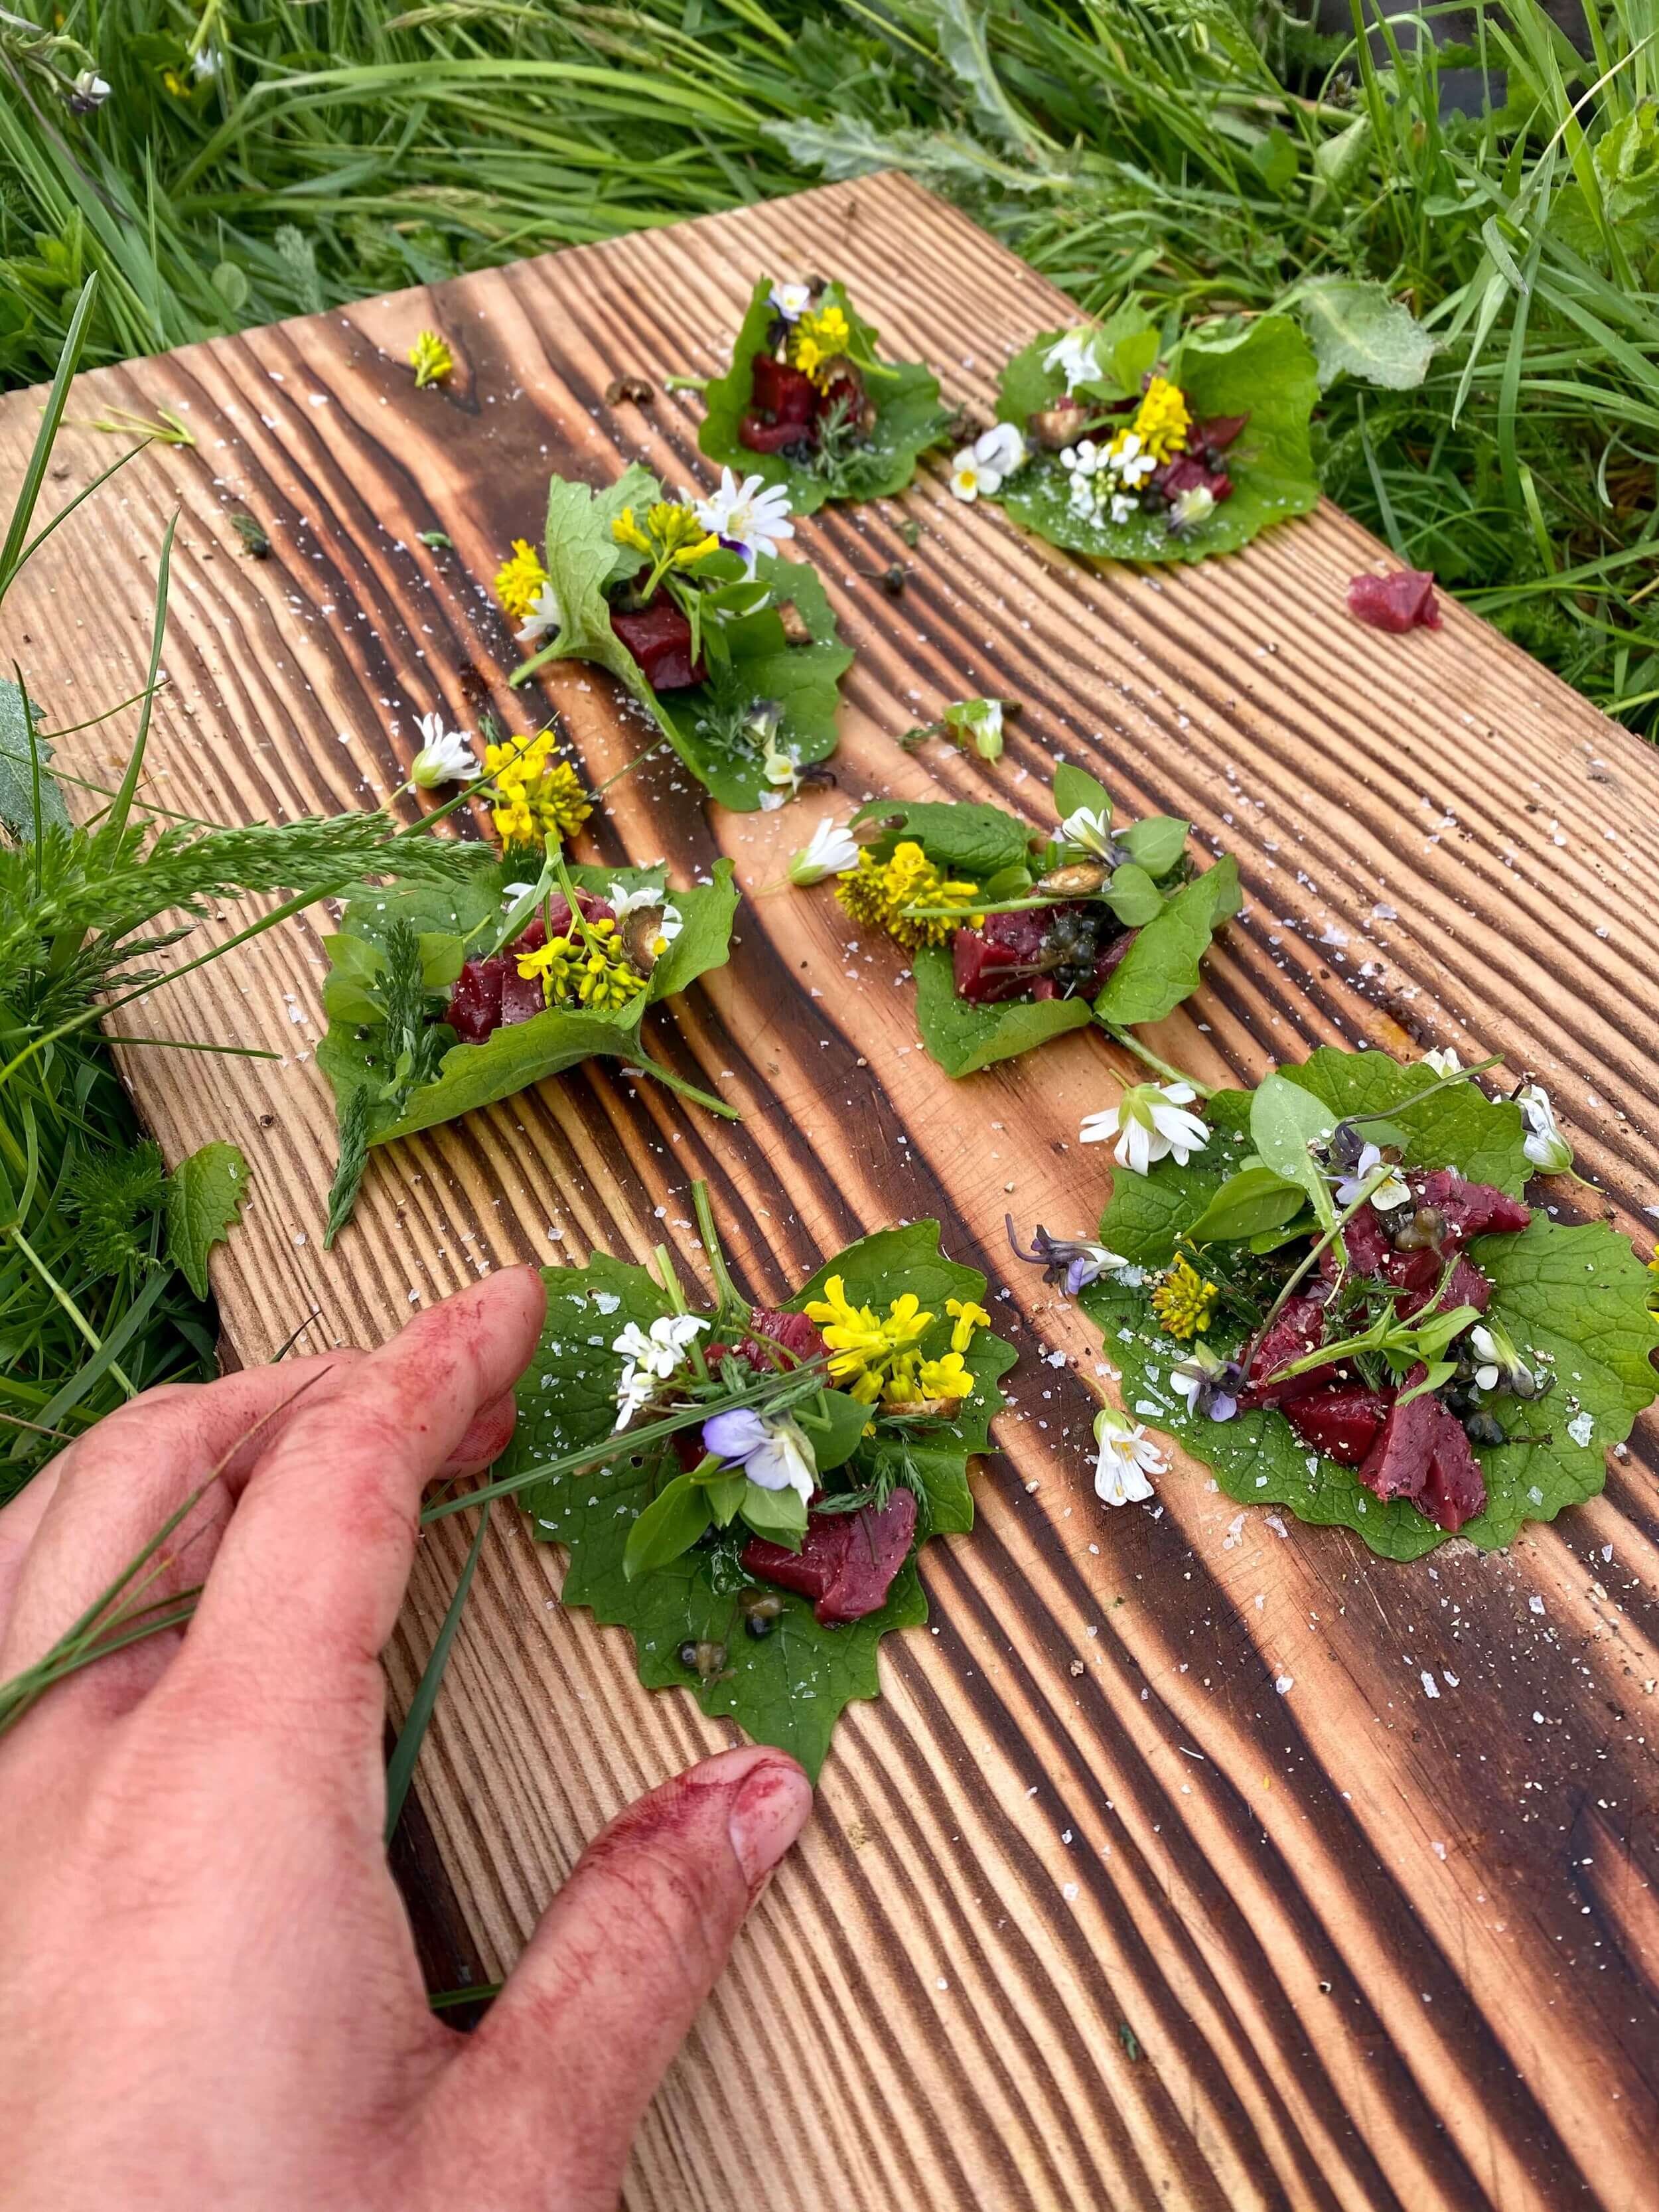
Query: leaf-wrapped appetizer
x,y
1331,1290
442,999
808,402
732,650
1016,936
1137,450
774,1472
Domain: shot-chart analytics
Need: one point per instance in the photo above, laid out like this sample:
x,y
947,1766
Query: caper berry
x,y
705,1660
1484,1429
759,1625
687,1654
1422,1232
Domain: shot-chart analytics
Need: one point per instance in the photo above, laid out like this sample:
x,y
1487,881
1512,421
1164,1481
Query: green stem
x,y
1164,1067
686,383
675,1082
729,1294
69,1306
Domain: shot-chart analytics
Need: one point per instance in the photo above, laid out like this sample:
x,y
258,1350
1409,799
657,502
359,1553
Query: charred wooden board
x,y
1168,1784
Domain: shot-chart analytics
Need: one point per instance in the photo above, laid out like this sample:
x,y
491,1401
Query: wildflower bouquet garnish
x,y
1016,936
1115,443
732,650
760,1548
443,998
1332,1290
808,403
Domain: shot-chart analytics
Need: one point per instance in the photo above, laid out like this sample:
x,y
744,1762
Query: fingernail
x,y
769,1811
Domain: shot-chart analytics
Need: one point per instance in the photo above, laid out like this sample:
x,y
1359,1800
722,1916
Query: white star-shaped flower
x,y
1127,1456
1149,1122
445,757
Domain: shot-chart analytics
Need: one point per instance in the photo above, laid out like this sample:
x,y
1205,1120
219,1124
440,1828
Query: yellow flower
x,y
878,893
431,361
555,963
174,83
1162,422
1184,1301
864,1349
535,795
584,971
627,532
672,536
969,1319
518,580
945,1378
819,339
1653,1287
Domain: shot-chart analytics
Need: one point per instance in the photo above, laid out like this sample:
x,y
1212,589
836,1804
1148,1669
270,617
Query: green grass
x,y
1203,155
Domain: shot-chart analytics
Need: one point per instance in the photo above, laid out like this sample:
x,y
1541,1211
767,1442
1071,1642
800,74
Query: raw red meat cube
x,y
1398,603
1342,1423
847,1561
1397,1464
786,393
1298,1329
1456,1490
659,638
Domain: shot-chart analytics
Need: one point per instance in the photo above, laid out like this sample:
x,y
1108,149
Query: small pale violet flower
x,y
831,850
1069,1262
1209,1383
1073,356
89,93
790,301
1127,1455
1149,1122
772,1449
1090,829
1545,1146
545,616
1389,1192
445,757
750,518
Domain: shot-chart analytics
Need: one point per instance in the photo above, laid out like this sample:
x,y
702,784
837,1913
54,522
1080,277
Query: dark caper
x,y
760,1609
1422,1231
687,1654
705,1660
1484,1429
1462,1398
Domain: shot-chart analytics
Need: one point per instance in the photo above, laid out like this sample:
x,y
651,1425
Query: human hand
x,y
209,1995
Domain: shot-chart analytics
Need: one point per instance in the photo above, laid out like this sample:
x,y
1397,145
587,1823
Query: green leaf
x,y
834,1424
1357,330
1246,1204
965,841
582,559
1132,896
17,778
474,1075
204,1197
1264,369
964,1038
1161,968
1285,1120
1156,842
669,1525
1574,1300
904,394
1338,161
789,1688
779,1516
1075,788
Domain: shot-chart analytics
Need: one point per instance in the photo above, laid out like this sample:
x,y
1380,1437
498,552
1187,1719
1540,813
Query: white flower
x,y
446,755
623,902
1389,1192
1074,356
650,1358
774,1451
782,771
1001,448
752,516
206,64
1485,1348
1443,1061
1544,1146
545,614
831,850
980,722
1191,510
88,91
1502,1367
790,301
1089,828
1123,506
1149,1122
970,476
1127,1456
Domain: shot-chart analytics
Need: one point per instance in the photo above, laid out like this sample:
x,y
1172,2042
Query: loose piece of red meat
x,y
659,638
1343,1423
491,995
847,1561
1298,1329
1398,603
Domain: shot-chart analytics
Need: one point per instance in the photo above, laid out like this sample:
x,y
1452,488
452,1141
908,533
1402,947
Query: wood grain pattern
x,y
1171,1773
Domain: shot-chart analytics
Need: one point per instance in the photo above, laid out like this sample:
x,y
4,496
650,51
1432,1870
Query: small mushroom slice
x,y
1079,880
634,391
639,931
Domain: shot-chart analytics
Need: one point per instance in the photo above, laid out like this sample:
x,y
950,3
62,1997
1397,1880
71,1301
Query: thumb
x,y
548,2093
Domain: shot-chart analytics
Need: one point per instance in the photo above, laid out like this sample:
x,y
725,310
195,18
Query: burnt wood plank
x,y
1376,1950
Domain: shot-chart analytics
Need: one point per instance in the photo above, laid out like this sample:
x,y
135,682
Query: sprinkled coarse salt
x,y
1431,1687
1283,1683
1534,1605
1580,1429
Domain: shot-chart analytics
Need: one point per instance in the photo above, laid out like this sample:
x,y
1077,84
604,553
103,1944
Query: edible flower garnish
x,y
650,1358
1544,1146
1389,1193
1067,1261
1126,1456
750,517
445,757
1502,1367
535,795
1149,1122
664,920
430,359
544,615
1073,356
993,456
1183,1300
879,893
831,850
671,537
866,1352
1209,1383
519,581
774,1451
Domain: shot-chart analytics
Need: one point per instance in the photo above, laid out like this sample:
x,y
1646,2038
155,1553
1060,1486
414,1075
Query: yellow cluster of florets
x,y
878,893
518,580
535,796
879,1357
585,968
1162,420
430,359
671,537
818,339
1184,1301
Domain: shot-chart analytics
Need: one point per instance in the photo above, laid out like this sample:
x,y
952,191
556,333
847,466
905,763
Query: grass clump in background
x,y
1499,425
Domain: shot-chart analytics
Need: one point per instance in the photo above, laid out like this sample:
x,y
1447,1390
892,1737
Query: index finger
x,y
310,1571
